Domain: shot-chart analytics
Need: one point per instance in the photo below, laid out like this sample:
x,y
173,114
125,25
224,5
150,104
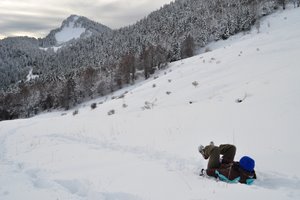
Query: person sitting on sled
x,y
225,168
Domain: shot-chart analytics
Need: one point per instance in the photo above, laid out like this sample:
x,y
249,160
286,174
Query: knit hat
x,y
247,163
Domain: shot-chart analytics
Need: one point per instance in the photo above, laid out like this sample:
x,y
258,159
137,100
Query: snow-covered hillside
x,y
147,150
69,31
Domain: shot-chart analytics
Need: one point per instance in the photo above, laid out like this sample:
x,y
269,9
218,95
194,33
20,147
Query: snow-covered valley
x,y
246,91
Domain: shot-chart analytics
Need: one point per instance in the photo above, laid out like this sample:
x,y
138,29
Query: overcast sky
x,y
37,17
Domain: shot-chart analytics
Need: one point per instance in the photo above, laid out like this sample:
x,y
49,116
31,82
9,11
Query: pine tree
x,y
283,3
187,47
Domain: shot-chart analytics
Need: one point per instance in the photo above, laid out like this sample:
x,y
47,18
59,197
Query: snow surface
x,y
69,32
30,76
54,48
151,154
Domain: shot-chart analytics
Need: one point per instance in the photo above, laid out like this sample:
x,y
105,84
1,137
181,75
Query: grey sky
x,y
37,17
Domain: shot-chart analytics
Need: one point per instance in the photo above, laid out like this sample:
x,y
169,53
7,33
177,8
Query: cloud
x,y
30,26
36,18
19,18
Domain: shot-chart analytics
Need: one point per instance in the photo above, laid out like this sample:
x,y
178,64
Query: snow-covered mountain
x,y
72,28
97,64
141,142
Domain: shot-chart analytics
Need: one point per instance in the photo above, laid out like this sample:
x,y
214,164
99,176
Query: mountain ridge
x,y
74,21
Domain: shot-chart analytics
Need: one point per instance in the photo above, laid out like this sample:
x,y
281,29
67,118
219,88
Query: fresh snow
x,y
151,154
69,32
30,76
54,48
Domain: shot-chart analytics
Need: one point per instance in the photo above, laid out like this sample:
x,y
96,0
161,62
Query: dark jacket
x,y
232,173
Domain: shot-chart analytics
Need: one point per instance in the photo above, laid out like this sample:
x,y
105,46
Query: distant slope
x,y
245,91
20,55
17,56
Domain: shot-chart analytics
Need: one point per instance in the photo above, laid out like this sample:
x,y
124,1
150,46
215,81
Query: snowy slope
x,y
69,31
142,154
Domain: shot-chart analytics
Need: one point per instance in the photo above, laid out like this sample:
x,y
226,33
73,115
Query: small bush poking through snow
x,y
168,92
170,80
154,85
121,96
75,112
195,83
124,105
149,105
93,105
111,112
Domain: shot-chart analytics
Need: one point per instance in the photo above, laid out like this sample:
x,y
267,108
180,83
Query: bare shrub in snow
x,y
168,92
154,85
111,112
195,83
121,96
93,106
149,105
75,112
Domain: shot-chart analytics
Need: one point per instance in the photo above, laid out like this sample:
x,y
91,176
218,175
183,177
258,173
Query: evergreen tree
x,y
187,47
